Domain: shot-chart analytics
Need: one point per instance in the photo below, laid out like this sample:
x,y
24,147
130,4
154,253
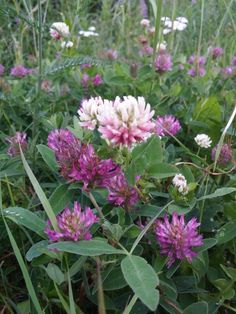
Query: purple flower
x,y
196,60
121,193
234,61
20,71
225,154
97,80
196,71
176,239
85,80
146,51
67,150
217,52
167,125
18,139
72,225
2,69
92,170
111,54
227,71
163,62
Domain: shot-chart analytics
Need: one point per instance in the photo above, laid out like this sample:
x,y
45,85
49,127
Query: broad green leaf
x,y
230,271
142,279
48,156
36,250
86,248
55,273
226,233
11,173
114,281
26,218
225,287
199,307
61,197
218,193
162,170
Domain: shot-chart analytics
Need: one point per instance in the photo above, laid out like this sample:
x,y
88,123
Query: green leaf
x,y
86,248
48,156
226,233
26,218
162,170
36,250
225,287
199,307
230,271
218,193
207,244
61,197
142,279
114,281
39,191
55,273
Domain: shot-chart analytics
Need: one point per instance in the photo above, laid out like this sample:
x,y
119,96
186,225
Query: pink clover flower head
x,y
126,121
145,23
196,60
97,80
121,193
92,170
85,80
217,52
59,30
146,51
88,112
194,72
233,61
2,69
228,71
163,62
176,238
20,71
72,224
167,125
67,149
18,139
225,154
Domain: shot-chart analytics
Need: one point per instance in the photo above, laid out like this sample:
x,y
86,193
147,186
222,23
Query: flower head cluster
x,y
2,69
176,238
72,225
203,140
225,154
88,112
145,22
228,71
198,65
67,44
167,125
90,32
179,24
163,62
20,71
96,80
126,121
67,150
217,52
18,139
121,193
92,170
59,30
180,183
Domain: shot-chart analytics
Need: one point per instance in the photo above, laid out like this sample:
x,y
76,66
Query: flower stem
x,y
101,302
95,204
131,304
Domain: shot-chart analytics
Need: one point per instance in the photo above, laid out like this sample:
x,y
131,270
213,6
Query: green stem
x,y
201,27
131,304
101,302
95,204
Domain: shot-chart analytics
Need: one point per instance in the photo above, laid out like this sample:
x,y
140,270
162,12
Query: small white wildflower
x,y
161,46
59,30
88,33
179,24
203,140
145,22
166,31
92,29
67,44
180,183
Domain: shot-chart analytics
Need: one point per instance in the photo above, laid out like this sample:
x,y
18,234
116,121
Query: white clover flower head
x,y
161,46
203,140
180,182
67,44
88,112
179,24
145,22
59,30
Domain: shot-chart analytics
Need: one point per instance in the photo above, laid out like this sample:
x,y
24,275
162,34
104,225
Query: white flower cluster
x,y
90,32
161,46
179,24
59,30
180,183
67,44
203,140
